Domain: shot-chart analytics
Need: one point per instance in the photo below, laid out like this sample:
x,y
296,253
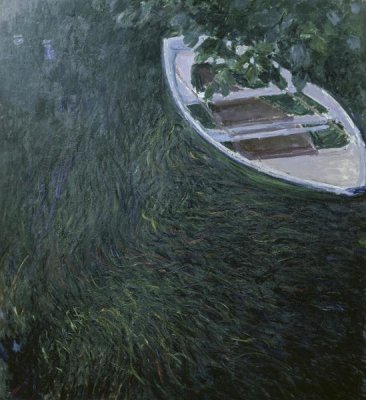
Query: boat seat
x,y
270,148
291,122
222,135
253,110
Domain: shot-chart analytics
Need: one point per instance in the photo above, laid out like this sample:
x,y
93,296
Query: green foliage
x,y
333,137
252,68
315,39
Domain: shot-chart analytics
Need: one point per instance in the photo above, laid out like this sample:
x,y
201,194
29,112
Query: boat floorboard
x,y
340,167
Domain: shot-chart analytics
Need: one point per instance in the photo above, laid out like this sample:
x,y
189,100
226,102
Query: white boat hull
x,y
345,166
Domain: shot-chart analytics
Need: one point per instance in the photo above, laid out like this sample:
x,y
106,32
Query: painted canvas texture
x,y
182,207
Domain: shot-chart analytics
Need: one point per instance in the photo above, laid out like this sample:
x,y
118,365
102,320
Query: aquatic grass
x,y
139,263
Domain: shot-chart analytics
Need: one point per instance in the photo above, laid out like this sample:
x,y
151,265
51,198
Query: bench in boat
x,y
223,136
257,129
255,119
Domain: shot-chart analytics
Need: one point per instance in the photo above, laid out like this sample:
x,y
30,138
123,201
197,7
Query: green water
x,y
136,261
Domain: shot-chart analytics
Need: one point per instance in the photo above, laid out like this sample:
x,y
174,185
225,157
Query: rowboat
x,y
304,138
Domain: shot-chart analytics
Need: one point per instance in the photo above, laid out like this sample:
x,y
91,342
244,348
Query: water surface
x,y
136,261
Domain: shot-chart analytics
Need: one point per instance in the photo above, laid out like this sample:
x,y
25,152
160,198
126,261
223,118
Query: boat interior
x,y
285,131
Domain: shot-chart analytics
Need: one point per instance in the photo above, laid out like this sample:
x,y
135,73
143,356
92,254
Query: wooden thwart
x,y
293,122
227,136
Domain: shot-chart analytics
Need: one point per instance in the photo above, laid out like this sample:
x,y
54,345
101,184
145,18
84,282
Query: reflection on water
x,y
135,260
